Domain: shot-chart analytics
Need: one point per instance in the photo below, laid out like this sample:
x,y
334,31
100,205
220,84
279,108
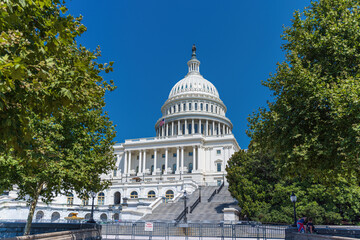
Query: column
x,y
182,160
194,158
162,130
155,158
166,160
144,161
125,163
177,160
179,129
167,130
206,127
199,126
192,126
219,132
129,166
223,131
213,128
186,128
140,157
172,128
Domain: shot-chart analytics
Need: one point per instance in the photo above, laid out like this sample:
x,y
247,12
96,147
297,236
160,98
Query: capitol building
x,y
193,142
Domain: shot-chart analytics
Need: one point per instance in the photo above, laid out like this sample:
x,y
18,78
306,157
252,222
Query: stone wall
x,y
13,229
323,233
83,234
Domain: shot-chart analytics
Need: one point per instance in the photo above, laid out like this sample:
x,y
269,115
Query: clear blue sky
x,y
238,44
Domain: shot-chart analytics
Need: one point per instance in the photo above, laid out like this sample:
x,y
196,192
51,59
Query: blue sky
x,y
238,43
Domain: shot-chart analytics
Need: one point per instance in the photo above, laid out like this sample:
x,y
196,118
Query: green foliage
x,y
54,135
41,66
264,195
313,124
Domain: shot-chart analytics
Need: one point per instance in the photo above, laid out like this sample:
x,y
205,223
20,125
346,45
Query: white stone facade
x,y
192,145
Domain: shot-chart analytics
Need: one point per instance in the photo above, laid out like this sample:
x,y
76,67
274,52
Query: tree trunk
x,y
32,209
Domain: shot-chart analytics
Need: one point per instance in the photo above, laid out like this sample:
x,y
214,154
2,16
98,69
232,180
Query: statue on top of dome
x,y
193,50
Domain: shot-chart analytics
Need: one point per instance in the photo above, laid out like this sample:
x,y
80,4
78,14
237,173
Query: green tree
x,y
264,195
54,135
313,123
41,66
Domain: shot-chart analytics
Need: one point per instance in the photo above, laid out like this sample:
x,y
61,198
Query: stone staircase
x,y
204,211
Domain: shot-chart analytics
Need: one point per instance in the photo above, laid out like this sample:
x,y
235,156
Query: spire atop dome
x,y
193,63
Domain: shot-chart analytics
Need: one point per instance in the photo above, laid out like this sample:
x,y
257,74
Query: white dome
x,y
193,83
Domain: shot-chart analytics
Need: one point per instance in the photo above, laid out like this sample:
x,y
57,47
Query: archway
x,y
55,216
39,215
103,217
117,198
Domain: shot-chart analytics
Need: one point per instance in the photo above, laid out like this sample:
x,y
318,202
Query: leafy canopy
x,y
313,124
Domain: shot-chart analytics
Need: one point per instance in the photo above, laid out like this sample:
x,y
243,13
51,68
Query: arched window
x,y
207,107
151,194
70,199
133,194
169,194
39,216
179,108
211,108
190,106
116,216
85,201
184,106
103,217
117,198
174,168
55,216
152,169
87,216
201,106
101,198
190,168
195,106
174,109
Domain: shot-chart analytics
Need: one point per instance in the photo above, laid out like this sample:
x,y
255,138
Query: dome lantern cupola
x,y
194,64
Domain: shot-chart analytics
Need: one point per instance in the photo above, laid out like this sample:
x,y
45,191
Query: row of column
x,y
206,127
142,160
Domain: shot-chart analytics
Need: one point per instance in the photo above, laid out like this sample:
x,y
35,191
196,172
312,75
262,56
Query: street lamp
x,y
91,220
293,200
185,218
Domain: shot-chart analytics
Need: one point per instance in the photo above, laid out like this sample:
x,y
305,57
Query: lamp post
x,y
293,200
91,220
185,218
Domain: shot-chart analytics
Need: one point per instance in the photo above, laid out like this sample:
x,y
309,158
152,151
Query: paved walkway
x,y
111,237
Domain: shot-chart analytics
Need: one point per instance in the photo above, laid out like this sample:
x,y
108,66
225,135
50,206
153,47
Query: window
x,y
216,110
174,154
174,169
137,169
117,198
85,201
218,152
137,157
174,109
218,167
219,182
152,169
190,106
133,194
179,108
70,199
163,156
190,153
196,128
115,171
163,168
211,108
152,156
190,128
207,107
151,194
101,198
190,168
201,106
169,194
195,106
184,106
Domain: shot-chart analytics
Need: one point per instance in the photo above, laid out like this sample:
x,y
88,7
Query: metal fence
x,y
163,230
